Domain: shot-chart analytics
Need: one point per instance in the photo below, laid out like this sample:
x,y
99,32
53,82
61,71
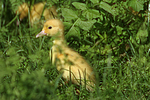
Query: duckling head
x,y
53,28
23,11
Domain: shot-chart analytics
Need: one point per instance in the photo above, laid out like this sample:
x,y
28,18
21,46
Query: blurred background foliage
x,y
113,36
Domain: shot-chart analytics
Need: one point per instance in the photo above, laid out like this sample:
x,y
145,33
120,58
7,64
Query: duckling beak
x,y
42,33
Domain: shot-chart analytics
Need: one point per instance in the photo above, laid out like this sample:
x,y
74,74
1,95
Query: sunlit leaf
x,y
74,31
94,1
68,14
108,8
142,33
92,13
108,1
67,24
79,5
137,5
85,25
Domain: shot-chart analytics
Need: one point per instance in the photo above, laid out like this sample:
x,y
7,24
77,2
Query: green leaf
x,y
78,5
68,14
108,1
67,24
137,5
94,1
74,31
85,25
142,33
141,51
92,13
119,30
108,8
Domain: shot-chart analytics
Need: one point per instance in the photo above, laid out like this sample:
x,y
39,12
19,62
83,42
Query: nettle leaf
x,y
68,14
142,33
108,8
91,13
74,31
137,5
141,50
94,1
67,24
108,1
52,1
85,25
79,5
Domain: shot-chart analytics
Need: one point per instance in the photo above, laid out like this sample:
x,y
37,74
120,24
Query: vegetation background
x,y
112,35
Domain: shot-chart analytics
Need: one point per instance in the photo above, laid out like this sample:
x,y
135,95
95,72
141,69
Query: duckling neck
x,y
59,42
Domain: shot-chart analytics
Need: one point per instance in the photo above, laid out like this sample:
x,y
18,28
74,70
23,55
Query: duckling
x,y
36,12
72,65
23,11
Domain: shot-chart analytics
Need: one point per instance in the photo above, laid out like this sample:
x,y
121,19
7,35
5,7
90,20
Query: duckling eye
x,y
50,27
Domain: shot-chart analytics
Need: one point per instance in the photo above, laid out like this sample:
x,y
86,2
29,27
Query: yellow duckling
x,y
23,11
70,63
36,12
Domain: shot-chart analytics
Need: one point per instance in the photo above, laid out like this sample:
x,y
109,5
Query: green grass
x,y
107,34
